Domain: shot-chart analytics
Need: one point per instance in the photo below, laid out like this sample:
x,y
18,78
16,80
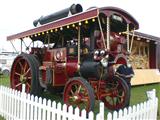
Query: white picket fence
x,y
142,111
16,105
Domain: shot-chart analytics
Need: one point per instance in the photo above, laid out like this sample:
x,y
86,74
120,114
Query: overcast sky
x,y
18,15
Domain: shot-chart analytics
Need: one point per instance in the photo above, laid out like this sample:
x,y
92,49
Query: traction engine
x,y
84,55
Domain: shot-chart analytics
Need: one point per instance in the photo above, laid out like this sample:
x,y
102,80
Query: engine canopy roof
x,y
77,19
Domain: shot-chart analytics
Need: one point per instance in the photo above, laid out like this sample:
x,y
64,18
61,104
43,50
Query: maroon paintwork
x,y
65,67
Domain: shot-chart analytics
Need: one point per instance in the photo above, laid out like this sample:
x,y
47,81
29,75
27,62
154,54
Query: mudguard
x,y
125,71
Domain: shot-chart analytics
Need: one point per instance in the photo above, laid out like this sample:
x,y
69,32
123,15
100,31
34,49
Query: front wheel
x,y
128,82
79,93
117,94
126,73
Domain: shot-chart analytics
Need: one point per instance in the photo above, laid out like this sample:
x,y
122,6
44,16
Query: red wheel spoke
x,y
72,92
85,99
117,85
120,100
25,67
17,73
28,85
27,71
18,84
29,77
21,66
79,88
71,97
121,95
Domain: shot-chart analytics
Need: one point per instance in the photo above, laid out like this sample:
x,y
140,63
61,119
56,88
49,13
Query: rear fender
x,y
125,71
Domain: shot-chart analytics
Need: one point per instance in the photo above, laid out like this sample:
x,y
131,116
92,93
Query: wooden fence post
x,y
91,116
28,106
32,108
70,112
59,108
53,110
39,108
36,108
64,112
49,110
109,116
101,110
0,100
44,109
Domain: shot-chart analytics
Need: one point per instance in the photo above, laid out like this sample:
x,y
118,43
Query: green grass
x,y
4,80
138,94
1,118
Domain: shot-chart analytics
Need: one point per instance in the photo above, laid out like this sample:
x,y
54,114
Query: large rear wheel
x,y
25,71
79,93
117,94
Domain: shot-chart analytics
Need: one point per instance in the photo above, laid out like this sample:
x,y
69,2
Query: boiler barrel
x,y
73,9
91,69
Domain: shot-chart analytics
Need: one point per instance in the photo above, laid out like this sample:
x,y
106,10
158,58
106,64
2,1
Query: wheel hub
x,y
75,97
22,79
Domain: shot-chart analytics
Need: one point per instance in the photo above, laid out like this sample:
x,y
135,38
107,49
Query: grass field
x,y
138,94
